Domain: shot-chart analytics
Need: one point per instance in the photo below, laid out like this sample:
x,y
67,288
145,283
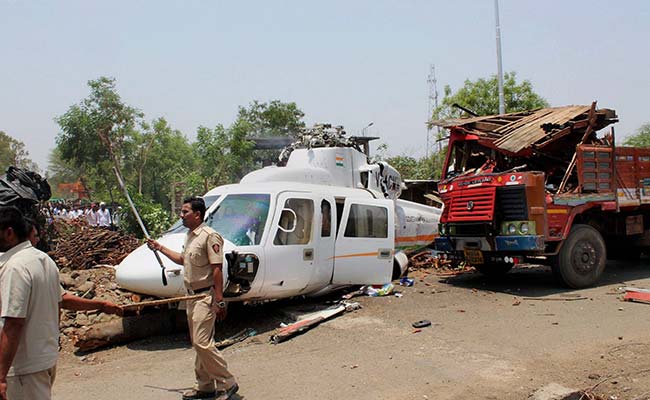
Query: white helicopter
x,y
326,219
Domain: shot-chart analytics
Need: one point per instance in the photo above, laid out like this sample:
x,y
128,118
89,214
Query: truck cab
x,y
543,185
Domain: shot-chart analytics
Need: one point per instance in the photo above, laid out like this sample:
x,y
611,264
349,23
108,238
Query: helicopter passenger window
x,y
326,218
367,221
296,231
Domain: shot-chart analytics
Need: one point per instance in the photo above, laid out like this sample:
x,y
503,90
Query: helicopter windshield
x,y
178,225
240,218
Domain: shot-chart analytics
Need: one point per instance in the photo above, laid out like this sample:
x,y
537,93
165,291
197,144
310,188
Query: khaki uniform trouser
x,y
36,386
209,365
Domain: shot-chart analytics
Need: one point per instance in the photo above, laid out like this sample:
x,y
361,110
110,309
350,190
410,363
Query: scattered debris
x,y
404,281
308,321
426,260
421,324
236,338
516,301
378,290
555,298
637,297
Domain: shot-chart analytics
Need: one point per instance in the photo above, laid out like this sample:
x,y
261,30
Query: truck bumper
x,y
519,243
499,243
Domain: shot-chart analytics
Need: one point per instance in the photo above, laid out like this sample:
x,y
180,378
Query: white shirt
x,y
30,289
91,217
103,217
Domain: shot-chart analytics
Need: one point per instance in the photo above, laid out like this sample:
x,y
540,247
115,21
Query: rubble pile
x,y
79,246
86,256
98,284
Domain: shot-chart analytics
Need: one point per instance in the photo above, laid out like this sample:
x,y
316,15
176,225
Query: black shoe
x,y
228,393
198,395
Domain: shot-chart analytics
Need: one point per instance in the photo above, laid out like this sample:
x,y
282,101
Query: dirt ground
x,y
489,339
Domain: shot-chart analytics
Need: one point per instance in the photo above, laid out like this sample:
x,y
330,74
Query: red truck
x,y
543,186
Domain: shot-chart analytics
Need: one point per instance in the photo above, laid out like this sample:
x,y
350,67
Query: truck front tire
x,y
582,257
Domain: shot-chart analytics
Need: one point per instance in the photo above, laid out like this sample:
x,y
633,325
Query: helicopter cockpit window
x,y
178,227
295,222
240,218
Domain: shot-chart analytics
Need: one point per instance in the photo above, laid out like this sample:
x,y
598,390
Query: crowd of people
x,y
96,214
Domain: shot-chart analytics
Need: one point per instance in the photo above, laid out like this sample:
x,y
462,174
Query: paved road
x,y
489,340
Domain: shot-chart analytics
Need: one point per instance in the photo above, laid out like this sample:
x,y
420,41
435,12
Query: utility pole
x,y
502,105
432,103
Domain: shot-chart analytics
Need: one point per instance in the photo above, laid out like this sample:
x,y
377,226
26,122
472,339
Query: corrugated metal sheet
x,y
517,131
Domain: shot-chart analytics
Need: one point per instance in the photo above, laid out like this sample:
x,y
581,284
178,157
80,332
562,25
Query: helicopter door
x,y
365,243
325,234
291,250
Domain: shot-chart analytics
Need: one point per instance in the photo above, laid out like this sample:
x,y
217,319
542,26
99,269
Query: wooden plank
x,y
138,306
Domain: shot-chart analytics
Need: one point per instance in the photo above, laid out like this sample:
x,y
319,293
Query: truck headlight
x,y
512,229
523,228
442,229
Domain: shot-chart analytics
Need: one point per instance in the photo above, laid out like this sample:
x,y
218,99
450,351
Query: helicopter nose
x,y
140,272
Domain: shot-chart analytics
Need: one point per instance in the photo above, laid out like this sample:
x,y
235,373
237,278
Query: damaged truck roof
x,y
521,132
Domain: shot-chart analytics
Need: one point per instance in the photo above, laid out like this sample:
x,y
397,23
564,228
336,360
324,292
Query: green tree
x,y
271,119
98,133
170,158
482,97
225,155
409,167
641,138
13,152
274,118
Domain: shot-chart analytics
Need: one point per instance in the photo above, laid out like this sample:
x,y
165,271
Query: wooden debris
x,y
80,246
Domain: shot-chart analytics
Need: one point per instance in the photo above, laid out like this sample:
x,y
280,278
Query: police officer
x,y
202,261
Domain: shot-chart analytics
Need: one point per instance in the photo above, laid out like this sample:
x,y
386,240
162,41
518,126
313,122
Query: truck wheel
x,y
582,257
493,269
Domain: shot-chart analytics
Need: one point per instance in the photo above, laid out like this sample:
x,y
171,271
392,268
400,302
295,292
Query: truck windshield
x,y
467,157
240,218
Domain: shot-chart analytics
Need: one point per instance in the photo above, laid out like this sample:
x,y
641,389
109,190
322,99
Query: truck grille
x,y
511,203
471,229
481,207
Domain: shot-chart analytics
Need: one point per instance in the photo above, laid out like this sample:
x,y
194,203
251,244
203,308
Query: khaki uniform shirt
x,y
203,247
30,289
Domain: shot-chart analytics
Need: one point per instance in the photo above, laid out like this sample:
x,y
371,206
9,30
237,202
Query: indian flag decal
x,y
339,161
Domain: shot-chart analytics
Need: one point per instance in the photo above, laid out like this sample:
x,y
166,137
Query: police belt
x,y
197,291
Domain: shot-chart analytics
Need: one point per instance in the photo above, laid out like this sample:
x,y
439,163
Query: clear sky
x,y
345,62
